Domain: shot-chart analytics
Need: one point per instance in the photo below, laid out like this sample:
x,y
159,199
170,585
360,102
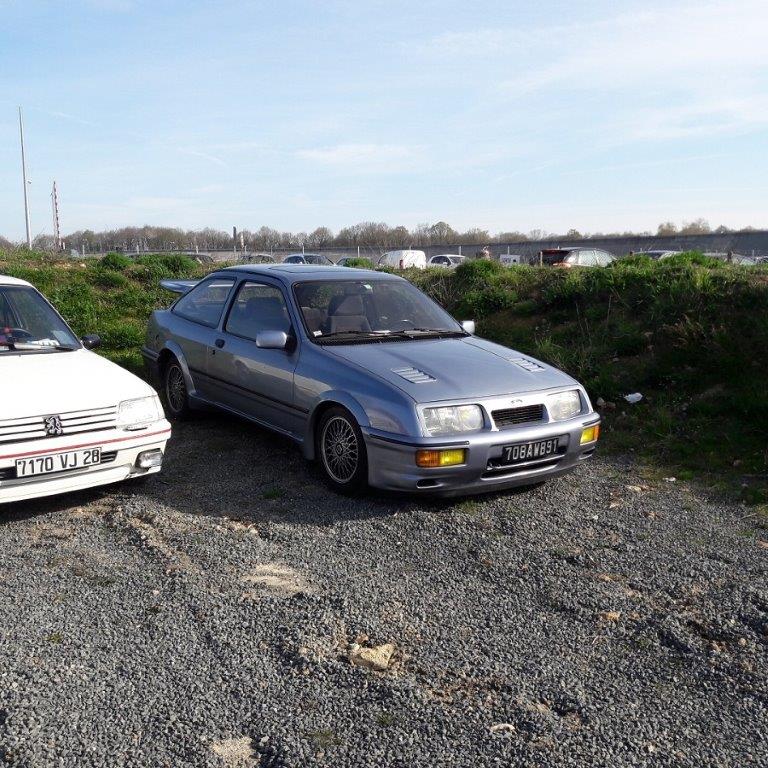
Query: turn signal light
x,y
590,434
447,458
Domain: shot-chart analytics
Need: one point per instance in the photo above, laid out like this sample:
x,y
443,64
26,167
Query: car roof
x,y
295,273
8,280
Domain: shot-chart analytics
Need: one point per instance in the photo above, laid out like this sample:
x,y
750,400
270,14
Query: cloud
x,y
203,155
366,156
681,69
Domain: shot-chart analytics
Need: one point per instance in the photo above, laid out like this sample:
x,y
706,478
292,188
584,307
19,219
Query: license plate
x,y
57,462
522,452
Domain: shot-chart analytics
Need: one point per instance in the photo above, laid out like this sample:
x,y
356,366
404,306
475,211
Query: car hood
x,y
457,368
60,382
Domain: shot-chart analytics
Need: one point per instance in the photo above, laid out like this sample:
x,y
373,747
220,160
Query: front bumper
x,y
392,459
120,456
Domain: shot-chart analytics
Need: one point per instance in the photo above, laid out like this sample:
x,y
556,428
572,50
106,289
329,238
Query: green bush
x,y
165,265
115,261
360,263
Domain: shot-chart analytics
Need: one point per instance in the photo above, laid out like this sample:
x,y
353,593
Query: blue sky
x,y
597,115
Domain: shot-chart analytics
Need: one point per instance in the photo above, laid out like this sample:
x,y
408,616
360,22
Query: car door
x,y
196,318
251,380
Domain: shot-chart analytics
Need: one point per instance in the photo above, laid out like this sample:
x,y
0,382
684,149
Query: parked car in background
x,y
511,259
733,258
447,260
371,377
317,259
355,261
576,257
257,258
404,259
69,419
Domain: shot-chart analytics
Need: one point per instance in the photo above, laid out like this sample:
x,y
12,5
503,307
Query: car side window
x,y
587,259
603,258
258,307
205,302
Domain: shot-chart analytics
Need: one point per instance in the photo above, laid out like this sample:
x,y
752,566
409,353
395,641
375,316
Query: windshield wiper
x,y
349,334
417,333
25,346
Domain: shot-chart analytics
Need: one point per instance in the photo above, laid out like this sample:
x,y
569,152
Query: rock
x,y
376,658
502,728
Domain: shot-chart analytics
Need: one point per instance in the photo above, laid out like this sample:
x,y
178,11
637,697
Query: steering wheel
x,y
21,334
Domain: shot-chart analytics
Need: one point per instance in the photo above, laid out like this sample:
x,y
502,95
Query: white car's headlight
x,y
564,405
452,419
139,413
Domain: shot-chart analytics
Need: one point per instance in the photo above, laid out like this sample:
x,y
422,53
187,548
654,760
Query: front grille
x,y
9,473
33,427
509,417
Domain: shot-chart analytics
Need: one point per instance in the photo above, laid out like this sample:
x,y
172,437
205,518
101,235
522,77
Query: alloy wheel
x,y
340,449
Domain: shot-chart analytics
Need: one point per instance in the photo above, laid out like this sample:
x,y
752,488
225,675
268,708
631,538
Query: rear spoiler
x,y
178,286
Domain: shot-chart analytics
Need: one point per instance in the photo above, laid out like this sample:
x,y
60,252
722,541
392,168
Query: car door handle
x,y
219,343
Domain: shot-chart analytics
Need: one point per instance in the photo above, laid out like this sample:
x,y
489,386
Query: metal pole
x,y
24,178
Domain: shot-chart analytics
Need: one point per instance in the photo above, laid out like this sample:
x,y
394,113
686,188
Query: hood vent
x,y
414,375
526,364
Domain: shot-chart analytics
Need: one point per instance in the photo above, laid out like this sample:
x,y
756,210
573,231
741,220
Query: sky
x,y
596,115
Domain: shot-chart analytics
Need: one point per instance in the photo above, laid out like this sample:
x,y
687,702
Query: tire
x,y
341,452
175,393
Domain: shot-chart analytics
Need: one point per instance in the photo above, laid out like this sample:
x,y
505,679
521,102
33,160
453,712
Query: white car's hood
x,y
60,382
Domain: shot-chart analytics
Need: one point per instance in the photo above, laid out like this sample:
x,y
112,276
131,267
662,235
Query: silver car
x,y
370,377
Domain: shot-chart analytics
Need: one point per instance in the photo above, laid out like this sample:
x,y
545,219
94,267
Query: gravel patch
x,y
208,618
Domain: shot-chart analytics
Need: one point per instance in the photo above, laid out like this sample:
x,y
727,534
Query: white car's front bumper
x,y
120,452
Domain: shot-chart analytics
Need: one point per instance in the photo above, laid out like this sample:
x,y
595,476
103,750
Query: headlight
x,y
564,405
452,419
139,413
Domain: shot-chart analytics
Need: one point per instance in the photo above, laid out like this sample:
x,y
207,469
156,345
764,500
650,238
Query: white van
x,y
404,259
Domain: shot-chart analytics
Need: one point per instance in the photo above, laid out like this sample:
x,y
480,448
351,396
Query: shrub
x,y
115,261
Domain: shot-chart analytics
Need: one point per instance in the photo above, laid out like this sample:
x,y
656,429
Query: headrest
x,y
349,306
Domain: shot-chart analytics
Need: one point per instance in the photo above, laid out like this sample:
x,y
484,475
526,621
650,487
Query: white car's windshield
x,y
28,323
374,311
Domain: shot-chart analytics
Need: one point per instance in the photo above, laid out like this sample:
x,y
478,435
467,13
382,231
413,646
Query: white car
x,y
447,260
404,259
69,419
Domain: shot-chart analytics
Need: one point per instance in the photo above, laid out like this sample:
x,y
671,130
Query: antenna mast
x,y
57,244
24,178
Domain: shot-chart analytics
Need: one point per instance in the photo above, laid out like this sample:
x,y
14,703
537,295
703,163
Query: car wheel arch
x,y
170,351
338,399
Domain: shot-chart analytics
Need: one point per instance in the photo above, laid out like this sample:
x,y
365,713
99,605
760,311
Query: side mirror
x,y
91,341
468,326
272,339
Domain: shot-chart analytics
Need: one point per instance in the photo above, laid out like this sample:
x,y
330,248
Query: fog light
x,y
448,458
149,459
590,434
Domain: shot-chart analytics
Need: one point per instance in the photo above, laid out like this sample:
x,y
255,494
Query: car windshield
x,y
376,310
29,323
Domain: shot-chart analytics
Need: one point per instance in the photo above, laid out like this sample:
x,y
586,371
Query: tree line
x,y
369,234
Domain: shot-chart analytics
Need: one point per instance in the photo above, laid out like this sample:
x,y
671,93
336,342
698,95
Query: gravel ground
x,y
207,617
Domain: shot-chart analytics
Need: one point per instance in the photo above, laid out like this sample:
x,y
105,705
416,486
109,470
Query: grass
x,y
689,333
112,296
